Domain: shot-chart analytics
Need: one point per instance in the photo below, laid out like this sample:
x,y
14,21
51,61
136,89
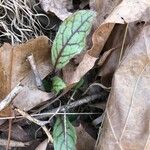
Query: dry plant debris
x,y
14,69
19,20
127,110
81,84
59,8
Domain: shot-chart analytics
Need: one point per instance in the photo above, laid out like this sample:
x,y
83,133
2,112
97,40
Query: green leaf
x,y
71,37
64,139
79,84
57,84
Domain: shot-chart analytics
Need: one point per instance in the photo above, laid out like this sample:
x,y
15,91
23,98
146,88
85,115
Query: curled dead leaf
x,y
14,69
43,145
126,124
59,8
122,15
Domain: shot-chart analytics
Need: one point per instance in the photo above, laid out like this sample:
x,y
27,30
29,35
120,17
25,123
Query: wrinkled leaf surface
x,y
126,124
64,140
57,84
71,37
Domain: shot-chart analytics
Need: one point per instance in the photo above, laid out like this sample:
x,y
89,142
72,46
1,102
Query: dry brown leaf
x,y
59,8
84,140
121,14
5,66
104,8
14,69
69,69
68,72
19,134
83,4
30,96
77,74
130,11
127,122
5,74
109,61
120,38
104,57
109,67
43,145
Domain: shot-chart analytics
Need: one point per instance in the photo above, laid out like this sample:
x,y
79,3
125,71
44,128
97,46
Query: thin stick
x,y
3,142
9,134
75,104
43,145
36,121
38,79
80,102
96,84
123,43
71,105
4,103
48,114
100,129
10,130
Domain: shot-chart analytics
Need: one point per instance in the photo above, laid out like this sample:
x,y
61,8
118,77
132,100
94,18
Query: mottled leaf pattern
x,y
59,134
71,37
57,84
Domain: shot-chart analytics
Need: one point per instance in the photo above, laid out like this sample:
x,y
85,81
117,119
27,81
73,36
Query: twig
x,y
36,121
96,84
9,134
123,43
80,102
43,145
100,129
74,104
3,142
41,115
38,80
71,105
5,102
98,120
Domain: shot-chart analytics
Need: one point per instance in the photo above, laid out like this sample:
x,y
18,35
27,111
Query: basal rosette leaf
x,y
71,37
64,139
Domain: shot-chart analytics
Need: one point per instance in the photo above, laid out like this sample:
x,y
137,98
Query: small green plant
x,y
71,38
64,135
58,84
69,41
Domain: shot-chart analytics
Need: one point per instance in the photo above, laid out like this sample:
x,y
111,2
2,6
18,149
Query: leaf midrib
x,y
62,49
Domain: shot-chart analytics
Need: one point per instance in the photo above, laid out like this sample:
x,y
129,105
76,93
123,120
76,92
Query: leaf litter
x,y
114,53
127,108
60,9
